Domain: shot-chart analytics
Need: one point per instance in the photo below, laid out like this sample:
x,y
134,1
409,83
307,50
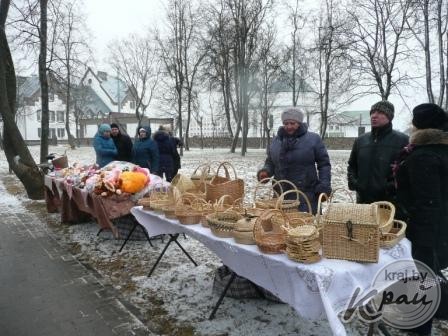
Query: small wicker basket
x,y
391,238
302,244
270,234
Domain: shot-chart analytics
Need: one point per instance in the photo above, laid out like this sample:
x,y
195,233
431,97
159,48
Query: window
x,y
50,96
51,116
38,116
89,81
132,104
61,132
52,133
60,116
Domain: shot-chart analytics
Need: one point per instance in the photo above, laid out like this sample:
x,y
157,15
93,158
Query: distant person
x,y
123,143
169,159
299,156
369,169
145,152
104,146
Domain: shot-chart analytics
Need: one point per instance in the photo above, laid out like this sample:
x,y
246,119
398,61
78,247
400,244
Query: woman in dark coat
x,y
145,152
167,153
422,189
294,154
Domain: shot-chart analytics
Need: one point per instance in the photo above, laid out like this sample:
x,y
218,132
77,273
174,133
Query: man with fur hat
x,y
123,143
369,170
294,155
422,187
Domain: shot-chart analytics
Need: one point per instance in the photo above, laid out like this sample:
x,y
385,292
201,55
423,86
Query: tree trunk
x,y
45,131
17,153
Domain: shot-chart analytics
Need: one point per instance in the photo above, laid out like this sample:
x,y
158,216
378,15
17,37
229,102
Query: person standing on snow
x,y
104,146
123,143
299,156
145,152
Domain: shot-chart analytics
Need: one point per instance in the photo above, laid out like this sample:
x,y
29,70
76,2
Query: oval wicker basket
x,y
302,244
391,238
219,185
222,223
243,232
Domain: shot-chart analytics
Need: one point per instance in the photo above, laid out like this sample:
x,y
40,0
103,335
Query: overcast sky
x,y
110,19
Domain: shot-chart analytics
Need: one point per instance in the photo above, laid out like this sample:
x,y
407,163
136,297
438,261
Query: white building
x,y
28,117
349,124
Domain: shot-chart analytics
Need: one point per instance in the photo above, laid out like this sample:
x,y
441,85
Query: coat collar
x,y
429,136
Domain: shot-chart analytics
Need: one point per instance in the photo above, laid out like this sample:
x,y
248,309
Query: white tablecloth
x,y
315,291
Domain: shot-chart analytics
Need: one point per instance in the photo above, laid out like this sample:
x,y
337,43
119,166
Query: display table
x,y
315,291
78,205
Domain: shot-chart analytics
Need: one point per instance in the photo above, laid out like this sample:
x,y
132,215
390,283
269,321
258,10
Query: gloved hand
x,y
262,174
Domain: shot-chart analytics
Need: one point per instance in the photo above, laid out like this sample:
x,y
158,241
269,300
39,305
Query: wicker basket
x,y
270,234
187,216
145,202
390,239
351,232
302,244
243,232
183,183
222,223
60,162
202,174
219,186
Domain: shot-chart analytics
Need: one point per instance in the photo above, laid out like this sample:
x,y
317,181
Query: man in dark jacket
x,y
123,143
294,154
369,170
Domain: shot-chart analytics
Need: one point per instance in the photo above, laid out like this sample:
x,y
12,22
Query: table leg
x,y
212,315
186,253
173,238
129,236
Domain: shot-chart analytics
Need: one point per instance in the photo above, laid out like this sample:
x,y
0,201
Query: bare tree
x,y
138,63
379,43
247,19
434,23
17,153
71,53
269,73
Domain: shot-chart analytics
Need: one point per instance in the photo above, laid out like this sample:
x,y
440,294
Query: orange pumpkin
x,y
132,182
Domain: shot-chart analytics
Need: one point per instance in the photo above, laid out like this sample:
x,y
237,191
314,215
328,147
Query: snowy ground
x,y
178,298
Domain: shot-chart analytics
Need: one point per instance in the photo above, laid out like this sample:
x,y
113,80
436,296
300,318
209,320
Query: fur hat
x,y
429,116
384,107
103,128
293,113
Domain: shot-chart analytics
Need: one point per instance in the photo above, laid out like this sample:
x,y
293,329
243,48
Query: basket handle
x,y
383,204
226,165
299,193
279,183
320,200
262,183
331,198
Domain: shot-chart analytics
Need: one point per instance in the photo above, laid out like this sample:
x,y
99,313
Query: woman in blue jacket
x,y
145,152
104,146
299,156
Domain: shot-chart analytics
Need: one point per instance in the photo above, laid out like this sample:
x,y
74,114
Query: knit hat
x,y
384,107
103,128
114,125
429,116
293,113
